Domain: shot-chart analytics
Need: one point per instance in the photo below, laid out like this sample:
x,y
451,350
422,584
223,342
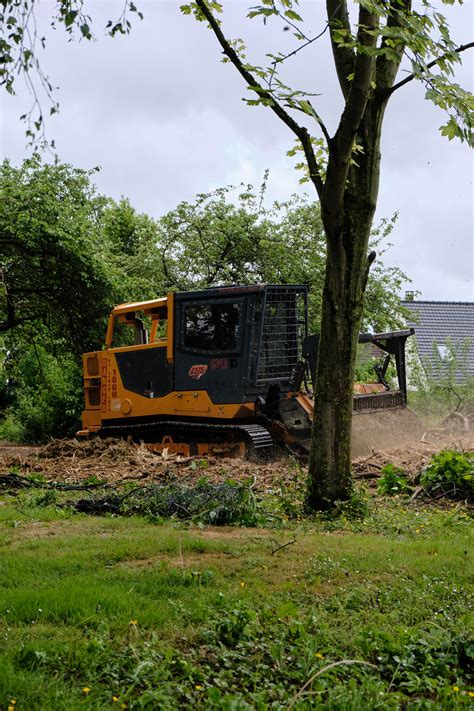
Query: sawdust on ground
x,y
111,460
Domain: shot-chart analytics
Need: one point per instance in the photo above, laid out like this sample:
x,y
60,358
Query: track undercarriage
x,y
189,438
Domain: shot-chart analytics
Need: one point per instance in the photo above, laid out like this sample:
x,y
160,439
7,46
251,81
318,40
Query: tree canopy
x,y
51,270
69,255
231,236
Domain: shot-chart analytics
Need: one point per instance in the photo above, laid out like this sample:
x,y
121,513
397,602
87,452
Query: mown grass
x,y
99,612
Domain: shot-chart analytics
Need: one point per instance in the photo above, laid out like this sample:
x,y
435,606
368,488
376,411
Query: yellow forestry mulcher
x,y
228,370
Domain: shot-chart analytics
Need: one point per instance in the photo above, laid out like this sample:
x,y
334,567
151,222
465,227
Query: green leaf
x,y
69,17
292,15
451,129
85,30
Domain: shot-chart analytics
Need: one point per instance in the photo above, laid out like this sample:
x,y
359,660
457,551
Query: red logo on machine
x,y
218,363
197,371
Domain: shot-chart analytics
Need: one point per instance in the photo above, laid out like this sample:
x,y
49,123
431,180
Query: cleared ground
x,y
73,461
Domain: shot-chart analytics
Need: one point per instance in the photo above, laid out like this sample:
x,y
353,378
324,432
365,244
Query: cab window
x,y
212,327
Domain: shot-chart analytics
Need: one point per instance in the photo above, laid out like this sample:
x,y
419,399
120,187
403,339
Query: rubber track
x,y
258,435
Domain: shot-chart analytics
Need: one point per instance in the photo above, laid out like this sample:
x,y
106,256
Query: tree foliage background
x,y
68,255
369,43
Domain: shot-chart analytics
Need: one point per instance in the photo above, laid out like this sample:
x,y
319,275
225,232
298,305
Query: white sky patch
x,y
163,118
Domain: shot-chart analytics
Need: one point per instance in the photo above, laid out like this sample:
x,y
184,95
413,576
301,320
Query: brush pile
x,y
215,504
115,461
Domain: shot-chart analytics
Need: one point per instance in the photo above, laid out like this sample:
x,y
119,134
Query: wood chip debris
x,y
112,460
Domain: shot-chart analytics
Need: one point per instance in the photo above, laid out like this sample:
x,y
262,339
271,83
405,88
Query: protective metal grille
x,y
283,329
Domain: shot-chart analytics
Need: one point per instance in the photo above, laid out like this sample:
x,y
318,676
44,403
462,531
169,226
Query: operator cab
x,y
235,342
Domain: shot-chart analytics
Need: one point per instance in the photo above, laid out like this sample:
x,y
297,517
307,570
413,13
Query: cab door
x,y
209,352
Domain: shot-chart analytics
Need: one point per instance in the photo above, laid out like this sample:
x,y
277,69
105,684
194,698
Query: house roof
x,y
437,321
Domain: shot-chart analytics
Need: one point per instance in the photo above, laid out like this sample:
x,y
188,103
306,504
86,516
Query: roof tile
x,y
437,321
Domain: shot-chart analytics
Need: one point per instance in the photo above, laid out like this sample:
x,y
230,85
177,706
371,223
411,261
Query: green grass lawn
x,y
99,613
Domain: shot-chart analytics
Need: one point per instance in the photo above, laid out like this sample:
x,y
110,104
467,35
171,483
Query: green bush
x,y
393,481
10,429
450,473
48,398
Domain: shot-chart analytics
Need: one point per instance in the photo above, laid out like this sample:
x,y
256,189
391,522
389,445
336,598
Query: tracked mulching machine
x,y
228,370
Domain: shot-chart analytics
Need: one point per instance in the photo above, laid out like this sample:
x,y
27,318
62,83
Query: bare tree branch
x,y
344,57
280,60
300,131
410,77
370,260
302,46
288,22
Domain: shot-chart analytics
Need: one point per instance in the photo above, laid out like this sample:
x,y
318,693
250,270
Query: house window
x,y
443,352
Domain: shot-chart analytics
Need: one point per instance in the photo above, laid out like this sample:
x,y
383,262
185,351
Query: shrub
x,y
217,504
450,473
393,481
48,398
10,429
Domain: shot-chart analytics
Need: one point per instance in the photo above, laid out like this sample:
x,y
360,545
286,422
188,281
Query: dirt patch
x,y
233,533
17,450
414,456
193,560
119,462
36,530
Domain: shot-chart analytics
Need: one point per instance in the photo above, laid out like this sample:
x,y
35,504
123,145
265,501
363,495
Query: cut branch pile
x,y
215,504
412,461
94,463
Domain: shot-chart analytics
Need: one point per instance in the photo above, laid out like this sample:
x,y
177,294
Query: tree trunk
x,y
330,461
347,265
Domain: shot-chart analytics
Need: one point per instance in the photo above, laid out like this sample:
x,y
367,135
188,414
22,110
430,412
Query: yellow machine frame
x,y
105,396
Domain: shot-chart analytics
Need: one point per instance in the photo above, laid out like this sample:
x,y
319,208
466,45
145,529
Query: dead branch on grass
x,y
280,548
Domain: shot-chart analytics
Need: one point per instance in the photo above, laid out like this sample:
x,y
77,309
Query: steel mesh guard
x,y
282,332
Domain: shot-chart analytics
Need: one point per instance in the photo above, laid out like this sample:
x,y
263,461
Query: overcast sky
x,y
164,120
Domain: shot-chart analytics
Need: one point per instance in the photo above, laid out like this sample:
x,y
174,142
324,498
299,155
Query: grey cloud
x,y
164,119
